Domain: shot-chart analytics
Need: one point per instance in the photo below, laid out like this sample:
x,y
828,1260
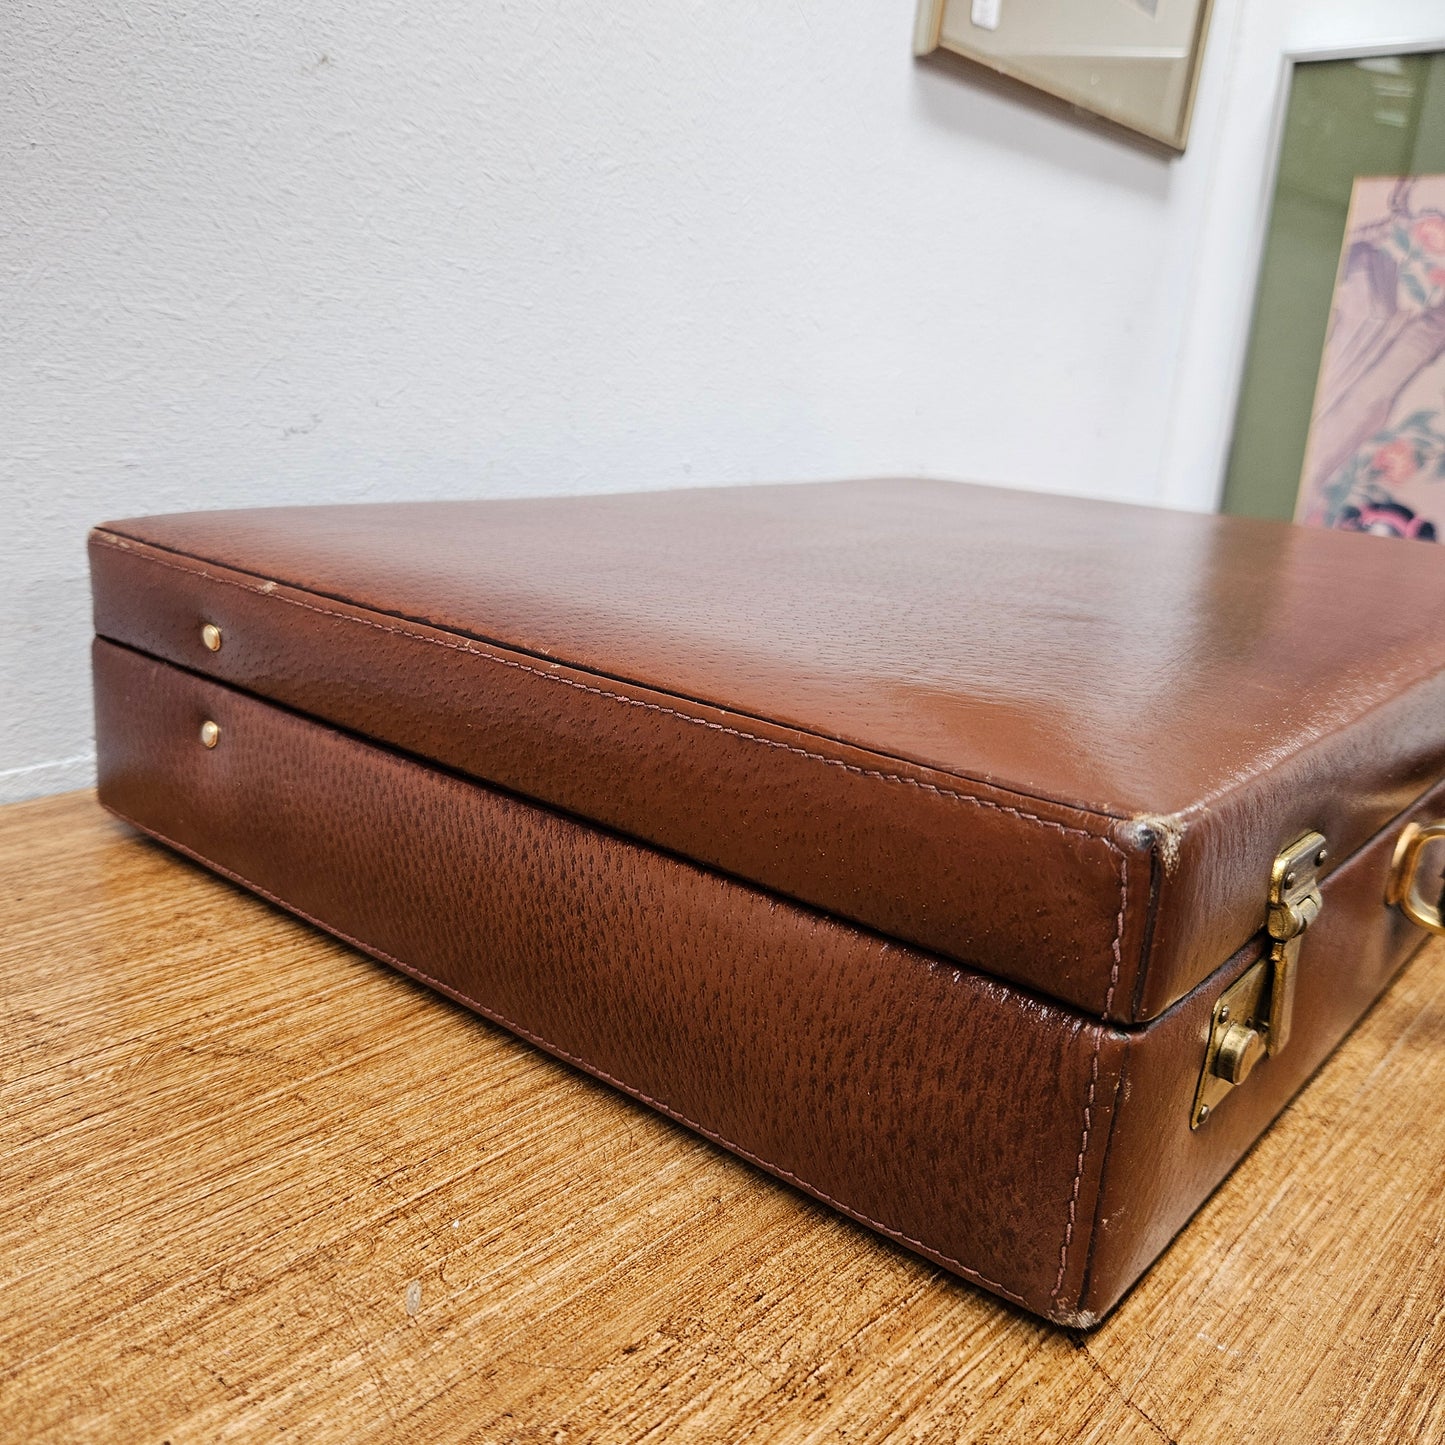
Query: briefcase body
x,y
991,866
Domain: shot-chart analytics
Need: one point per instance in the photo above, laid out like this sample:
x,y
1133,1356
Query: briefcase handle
x,y
1419,891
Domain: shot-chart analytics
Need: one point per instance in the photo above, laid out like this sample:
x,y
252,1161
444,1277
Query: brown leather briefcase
x,y
993,867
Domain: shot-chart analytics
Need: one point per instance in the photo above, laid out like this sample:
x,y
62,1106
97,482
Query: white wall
x,y
360,249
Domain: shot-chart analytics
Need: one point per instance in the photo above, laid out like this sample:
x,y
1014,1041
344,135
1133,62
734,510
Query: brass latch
x,y
1253,1016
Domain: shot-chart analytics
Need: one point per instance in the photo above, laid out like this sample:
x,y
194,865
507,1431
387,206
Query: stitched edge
x,y
578,1062
459,645
1093,1084
462,645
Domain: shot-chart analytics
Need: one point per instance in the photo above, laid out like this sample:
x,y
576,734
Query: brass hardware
x,y
1253,1016
1403,889
211,636
210,733
1240,1050
1294,903
1240,1001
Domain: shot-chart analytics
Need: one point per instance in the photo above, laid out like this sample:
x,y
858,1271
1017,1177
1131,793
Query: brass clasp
x,y
1294,903
1254,1015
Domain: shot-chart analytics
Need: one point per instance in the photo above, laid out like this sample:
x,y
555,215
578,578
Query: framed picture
x,y
1341,415
1134,63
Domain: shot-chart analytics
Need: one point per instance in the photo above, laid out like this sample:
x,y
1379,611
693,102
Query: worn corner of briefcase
x,y
1163,832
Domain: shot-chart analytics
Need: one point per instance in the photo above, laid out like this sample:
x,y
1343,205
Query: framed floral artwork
x,y
1341,415
1131,63
1375,458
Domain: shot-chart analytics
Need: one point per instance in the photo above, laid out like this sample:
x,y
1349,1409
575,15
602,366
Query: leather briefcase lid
x,y
1056,740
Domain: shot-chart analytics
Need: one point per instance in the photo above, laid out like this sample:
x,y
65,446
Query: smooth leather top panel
x,y
1194,691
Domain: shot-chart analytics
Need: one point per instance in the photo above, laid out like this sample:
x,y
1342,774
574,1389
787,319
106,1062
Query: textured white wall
x,y
360,249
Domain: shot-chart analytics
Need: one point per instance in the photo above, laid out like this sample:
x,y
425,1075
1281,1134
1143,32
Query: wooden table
x,y
252,1183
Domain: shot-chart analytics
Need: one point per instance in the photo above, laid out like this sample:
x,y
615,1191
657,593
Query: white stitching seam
x,y
1093,1083
267,590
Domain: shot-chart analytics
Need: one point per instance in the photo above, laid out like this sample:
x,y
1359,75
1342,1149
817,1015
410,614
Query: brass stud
x,y
210,733
211,636
1239,1051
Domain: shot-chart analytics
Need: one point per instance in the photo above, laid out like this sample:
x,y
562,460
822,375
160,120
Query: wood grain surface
x,y
252,1184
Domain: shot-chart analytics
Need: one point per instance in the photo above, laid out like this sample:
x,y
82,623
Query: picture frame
x,y
1131,64
1359,129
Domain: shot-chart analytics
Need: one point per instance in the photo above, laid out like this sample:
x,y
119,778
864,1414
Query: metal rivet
x,y
1321,856
210,733
1224,1015
211,636
1289,879
1203,1112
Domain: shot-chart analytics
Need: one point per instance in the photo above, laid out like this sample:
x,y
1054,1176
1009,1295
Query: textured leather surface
x,y
1023,1147
1059,740
951,1113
